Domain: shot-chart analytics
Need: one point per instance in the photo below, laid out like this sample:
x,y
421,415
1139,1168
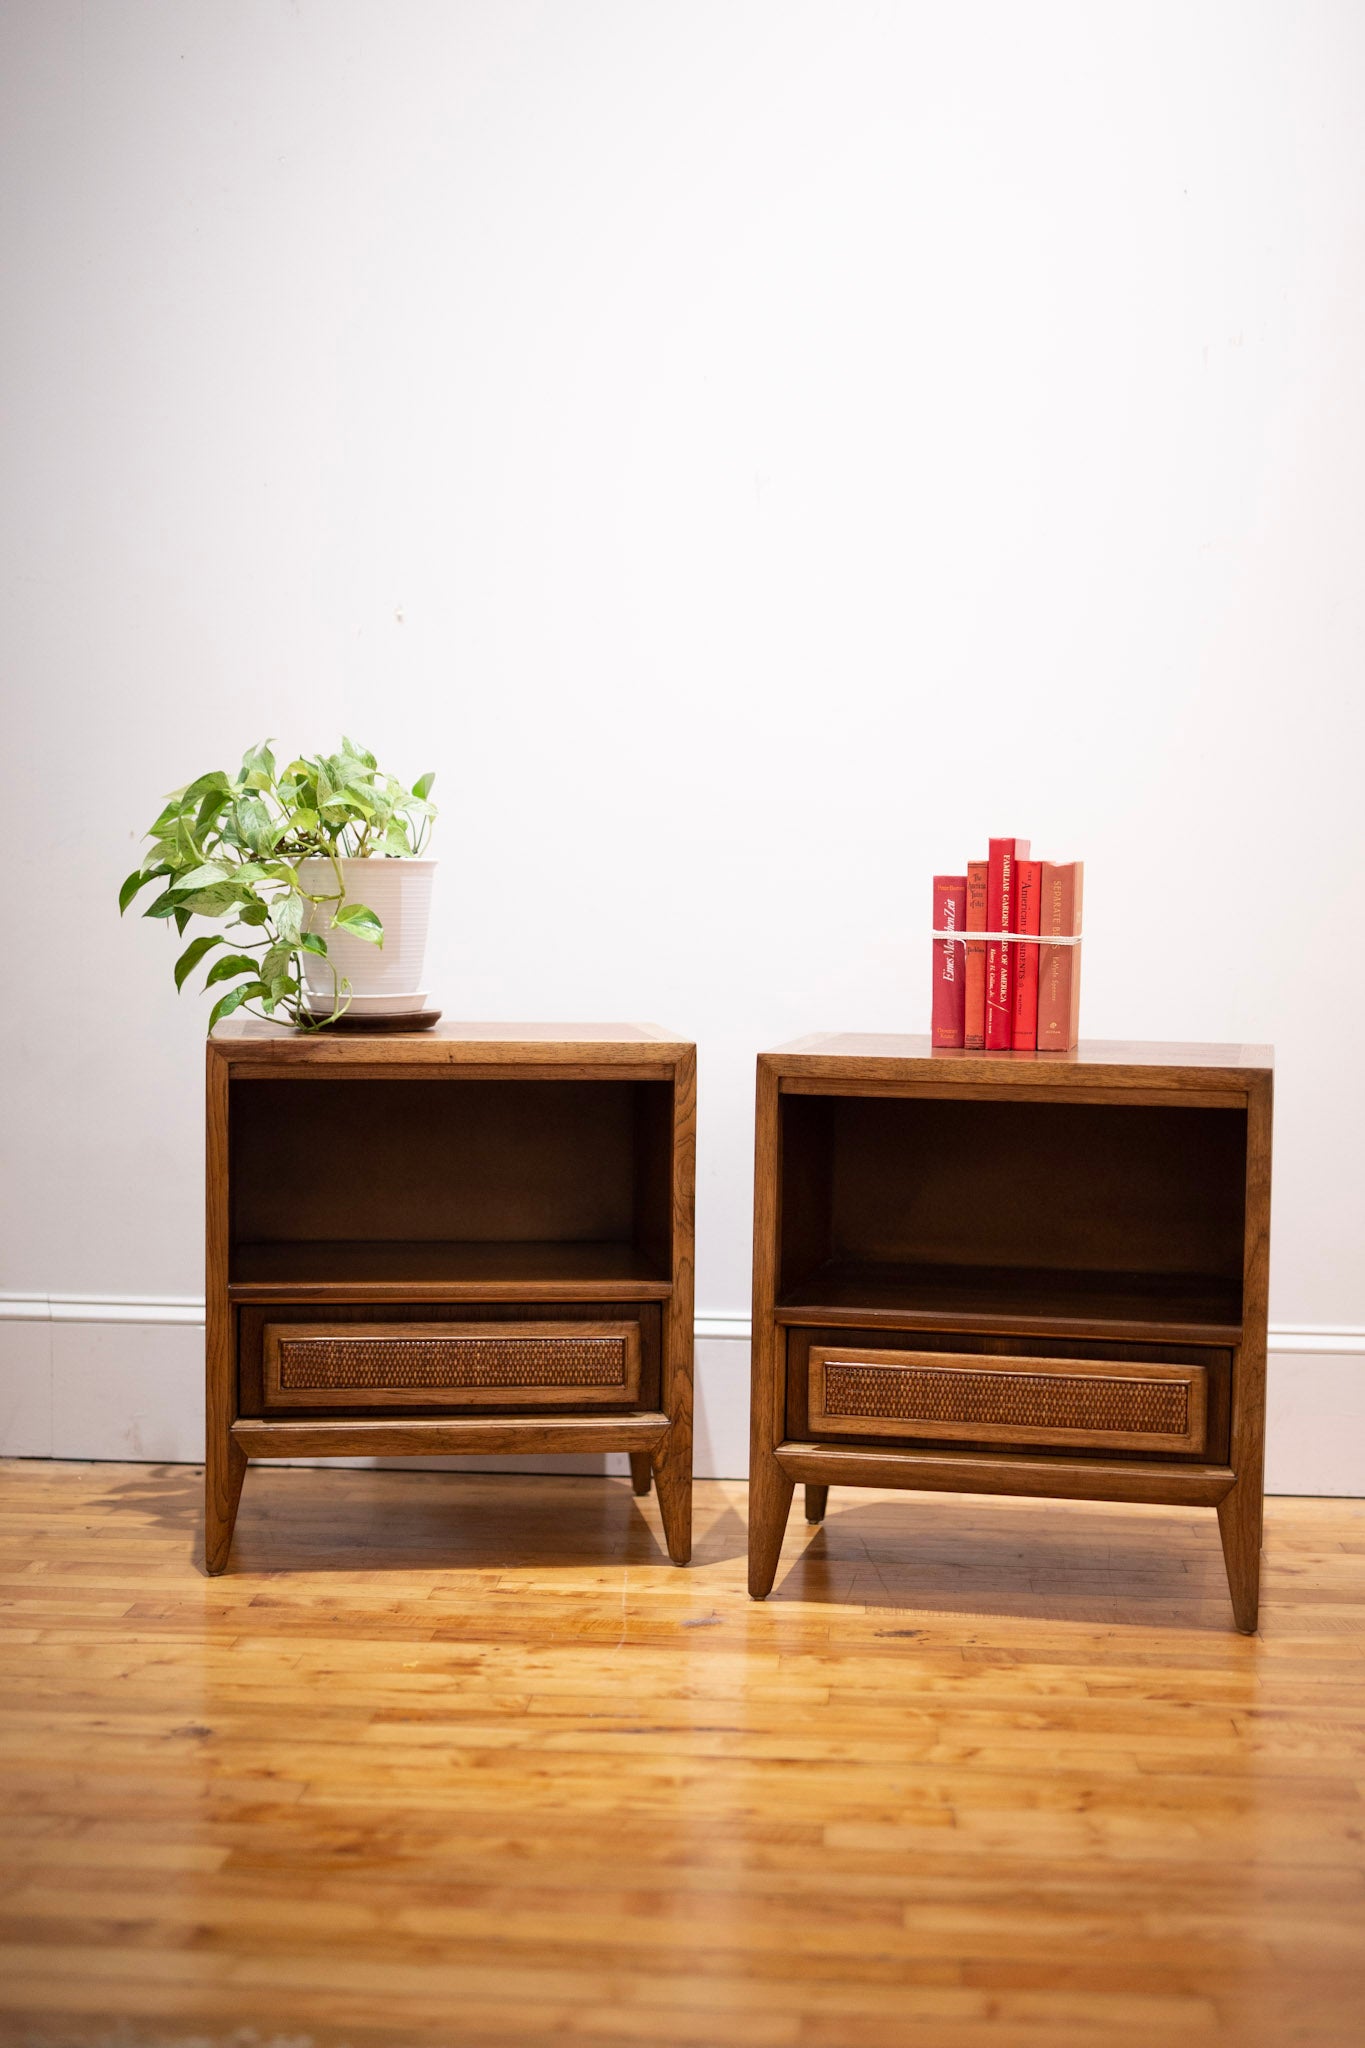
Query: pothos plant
x,y
229,848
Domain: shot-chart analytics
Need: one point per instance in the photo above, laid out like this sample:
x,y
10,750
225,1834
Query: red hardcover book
x,y
974,1021
950,980
1059,967
1001,912
1028,877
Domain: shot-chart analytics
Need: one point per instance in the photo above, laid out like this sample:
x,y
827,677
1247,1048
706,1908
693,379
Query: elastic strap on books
x,y
1014,938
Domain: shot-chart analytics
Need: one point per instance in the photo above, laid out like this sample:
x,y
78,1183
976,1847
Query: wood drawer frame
x,y
1090,1376
482,1336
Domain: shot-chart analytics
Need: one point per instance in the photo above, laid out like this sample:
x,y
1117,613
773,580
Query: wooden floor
x,y
451,1759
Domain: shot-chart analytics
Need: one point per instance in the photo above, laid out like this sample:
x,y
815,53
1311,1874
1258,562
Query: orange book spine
x,y
974,1021
1028,875
1059,967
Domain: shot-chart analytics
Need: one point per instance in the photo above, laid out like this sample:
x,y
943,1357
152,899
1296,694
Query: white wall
x,y
751,451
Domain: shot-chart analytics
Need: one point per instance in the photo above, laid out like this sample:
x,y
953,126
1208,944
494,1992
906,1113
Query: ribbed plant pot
x,y
385,980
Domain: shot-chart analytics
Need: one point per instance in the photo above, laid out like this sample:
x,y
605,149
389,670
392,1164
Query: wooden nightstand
x,y
476,1238
1012,1273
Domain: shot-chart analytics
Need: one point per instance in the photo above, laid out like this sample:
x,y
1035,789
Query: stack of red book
x,y
997,993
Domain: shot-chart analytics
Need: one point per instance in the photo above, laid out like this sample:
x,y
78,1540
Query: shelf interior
x,y
847,1292
523,1185
515,1270
1025,1214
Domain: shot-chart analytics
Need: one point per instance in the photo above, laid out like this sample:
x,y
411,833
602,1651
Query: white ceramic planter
x,y
385,980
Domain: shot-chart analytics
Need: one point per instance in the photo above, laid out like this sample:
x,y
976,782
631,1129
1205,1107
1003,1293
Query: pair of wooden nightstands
x,y
1022,1273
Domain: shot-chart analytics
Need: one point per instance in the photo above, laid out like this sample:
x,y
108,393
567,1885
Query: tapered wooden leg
x,y
817,1500
1239,1525
770,1499
673,1484
639,1471
224,1471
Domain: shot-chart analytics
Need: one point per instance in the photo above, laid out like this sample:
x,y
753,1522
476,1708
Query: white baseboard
x,y
101,1378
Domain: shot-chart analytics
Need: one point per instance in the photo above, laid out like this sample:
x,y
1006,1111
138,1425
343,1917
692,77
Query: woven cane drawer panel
x,y
426,1364
959,1396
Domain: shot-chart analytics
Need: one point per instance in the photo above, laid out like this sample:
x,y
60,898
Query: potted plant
x,y
314,869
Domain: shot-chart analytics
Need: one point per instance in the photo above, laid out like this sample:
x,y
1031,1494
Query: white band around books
x,y
1013,938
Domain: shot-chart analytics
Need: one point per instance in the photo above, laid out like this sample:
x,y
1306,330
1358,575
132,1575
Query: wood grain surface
x,y
979,1774
1129,1056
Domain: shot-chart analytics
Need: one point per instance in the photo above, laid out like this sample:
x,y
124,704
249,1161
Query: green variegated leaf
x,y
230,965
254,823
211,902
358,918
193,954
190,795
276,961
234,999
209,812
166,904
288,912
253,913
204,877
313,942
422,786
139,879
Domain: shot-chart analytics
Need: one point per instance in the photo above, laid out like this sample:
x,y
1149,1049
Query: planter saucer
x,y
392,1020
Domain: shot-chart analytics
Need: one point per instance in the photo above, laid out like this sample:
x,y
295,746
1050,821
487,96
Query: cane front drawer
x,y
450,1364
960,1396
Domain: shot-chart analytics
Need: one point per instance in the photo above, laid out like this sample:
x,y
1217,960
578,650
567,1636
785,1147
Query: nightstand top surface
x,y
857,1047
448,1042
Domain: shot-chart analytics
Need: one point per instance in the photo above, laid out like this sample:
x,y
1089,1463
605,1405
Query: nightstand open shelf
x,y
415,1269
1016,1273
477,1238
1161,1305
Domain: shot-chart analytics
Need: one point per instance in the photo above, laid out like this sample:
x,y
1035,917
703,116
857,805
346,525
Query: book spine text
x,y
1059,967
974,1020
1028,886
1001,913
950,911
